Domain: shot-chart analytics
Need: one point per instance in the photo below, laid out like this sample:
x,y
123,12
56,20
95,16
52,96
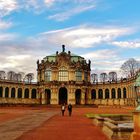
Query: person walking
x,y
70,109
63,109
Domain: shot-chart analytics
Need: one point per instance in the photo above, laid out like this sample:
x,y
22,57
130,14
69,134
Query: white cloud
x,y
49,2
5,25
127,44
7,6
70,12
82,36
7,37
101,54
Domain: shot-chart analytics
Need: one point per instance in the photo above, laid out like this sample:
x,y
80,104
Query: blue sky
x,y
105,31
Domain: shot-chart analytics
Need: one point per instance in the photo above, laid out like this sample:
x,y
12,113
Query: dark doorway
x,y
62,95
78,96
47,95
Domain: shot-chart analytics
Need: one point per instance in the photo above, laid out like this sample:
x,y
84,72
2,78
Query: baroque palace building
x,y
65,78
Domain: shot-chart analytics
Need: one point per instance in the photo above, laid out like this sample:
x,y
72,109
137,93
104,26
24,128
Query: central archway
x,y
62,95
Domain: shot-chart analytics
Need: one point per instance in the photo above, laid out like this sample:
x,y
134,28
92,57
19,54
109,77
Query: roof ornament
x,y
63,48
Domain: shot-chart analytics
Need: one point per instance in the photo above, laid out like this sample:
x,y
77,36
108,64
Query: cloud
x,y
49,3
127,44
105,61
5,25
7,6
101,54
70,12
82,36
7,37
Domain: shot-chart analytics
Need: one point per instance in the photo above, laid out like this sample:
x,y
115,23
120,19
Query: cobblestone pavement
x,y
13,129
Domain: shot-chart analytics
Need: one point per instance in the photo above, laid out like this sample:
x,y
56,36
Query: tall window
x,y
93,94
48,75
119,93
106,93
124,92
63,74
19,92
13,93
1,90
100,94
113,93
78,74
26,93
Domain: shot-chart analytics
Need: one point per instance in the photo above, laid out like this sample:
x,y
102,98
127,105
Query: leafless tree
x,y
94,77
130,67
112,76
103,77
17,77
21,76
29,77
2,74
11,75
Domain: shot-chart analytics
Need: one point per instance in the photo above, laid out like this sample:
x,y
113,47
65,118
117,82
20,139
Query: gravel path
x,y
13,129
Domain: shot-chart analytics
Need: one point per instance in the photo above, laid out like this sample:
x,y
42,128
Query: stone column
x,y
83,96
136,134
10,92
3,92
54,96
30,92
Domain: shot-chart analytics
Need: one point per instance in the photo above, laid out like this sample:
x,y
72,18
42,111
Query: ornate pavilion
x,y
65,78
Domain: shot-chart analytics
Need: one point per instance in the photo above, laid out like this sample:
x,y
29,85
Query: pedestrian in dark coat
x,y
63,109
70,109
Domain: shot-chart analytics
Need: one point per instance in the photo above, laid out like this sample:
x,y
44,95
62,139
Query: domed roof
x,y
74,57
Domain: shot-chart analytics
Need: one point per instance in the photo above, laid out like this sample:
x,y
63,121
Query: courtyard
x,y
41,123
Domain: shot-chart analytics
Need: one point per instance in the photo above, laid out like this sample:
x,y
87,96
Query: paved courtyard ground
x,y
42,123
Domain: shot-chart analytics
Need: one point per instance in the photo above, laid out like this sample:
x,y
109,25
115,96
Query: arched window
x,y
93,94
63,74
119,93
1,91
19,92
33,95
48,75
26,93
107,94
78,75
124,92
113,93
6,92
13,93
100,94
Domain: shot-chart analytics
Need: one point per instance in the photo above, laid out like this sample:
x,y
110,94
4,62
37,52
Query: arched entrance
x,y
78,96
62,95
47,95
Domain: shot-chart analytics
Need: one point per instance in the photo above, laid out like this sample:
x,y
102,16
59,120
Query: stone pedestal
x,y
136,134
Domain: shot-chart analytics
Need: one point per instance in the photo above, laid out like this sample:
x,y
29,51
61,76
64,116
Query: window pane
x,y
48,75
63,74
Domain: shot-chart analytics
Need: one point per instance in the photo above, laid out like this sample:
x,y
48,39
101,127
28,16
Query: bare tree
x,y
103,77
29,77
2,74
17,77
11,75
112,76
130,67
94,77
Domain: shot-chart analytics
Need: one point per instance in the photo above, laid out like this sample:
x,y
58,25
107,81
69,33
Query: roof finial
x,y
63,48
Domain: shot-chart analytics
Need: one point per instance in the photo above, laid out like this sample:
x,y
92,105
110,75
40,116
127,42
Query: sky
x,y
105,31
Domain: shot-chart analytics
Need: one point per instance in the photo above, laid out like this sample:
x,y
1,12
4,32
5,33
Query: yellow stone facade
x,y
65,78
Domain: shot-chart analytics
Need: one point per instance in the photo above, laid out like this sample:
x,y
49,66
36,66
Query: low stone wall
x,y
111,127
